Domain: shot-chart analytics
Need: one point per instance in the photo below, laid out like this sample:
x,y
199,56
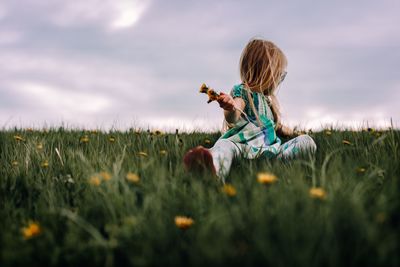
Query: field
x,y
92,198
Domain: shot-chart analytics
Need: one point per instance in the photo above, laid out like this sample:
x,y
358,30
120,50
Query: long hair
x,y
262,65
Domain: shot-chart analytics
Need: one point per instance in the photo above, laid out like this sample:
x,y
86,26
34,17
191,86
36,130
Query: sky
x,y
117,64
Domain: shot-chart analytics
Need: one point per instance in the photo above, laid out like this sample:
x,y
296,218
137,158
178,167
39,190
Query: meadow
x,y
92,198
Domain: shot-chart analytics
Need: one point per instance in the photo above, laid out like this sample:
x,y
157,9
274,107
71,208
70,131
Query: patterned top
x,y
255,139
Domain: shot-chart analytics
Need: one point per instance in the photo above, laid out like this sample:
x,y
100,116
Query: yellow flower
x,y
207,141
84,139
95,180
318,193
229,190
183,222
18,138
33,229
328,133
345,142
39,146
371,130
212,95
14,163
111,139
105,175
143,154
266,178
29,130
132,177
360,170
163,152
158,132
45,164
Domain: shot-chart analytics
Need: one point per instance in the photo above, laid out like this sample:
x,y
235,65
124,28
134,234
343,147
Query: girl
x,y
252,123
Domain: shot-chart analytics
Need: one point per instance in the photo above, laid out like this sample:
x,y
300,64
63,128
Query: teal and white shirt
x,y
255,140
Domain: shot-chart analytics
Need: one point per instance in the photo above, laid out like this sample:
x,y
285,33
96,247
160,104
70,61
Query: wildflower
x,y
95,180
84,139
212,95
14,163
183,222
328,133
207,141
132,177
45,164
39,146
317,193
229,190
19,138
345,142
111,139
143,154
371,130
360,170
266,178
105,175
33,229
29,130
158,132
380,217
163,152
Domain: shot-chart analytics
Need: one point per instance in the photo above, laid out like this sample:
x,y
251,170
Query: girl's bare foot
x,y
199,159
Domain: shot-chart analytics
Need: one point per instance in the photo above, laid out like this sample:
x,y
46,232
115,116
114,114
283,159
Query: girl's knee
x,y
307,142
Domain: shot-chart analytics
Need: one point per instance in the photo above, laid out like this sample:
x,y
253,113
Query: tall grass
x,y
73,185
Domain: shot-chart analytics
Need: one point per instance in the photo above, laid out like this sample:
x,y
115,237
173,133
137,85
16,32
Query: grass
x,y
65,201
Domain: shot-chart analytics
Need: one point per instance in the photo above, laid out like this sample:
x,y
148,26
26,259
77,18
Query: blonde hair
x,y
262,65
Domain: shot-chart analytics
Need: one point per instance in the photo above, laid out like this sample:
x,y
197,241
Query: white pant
x,y
225,150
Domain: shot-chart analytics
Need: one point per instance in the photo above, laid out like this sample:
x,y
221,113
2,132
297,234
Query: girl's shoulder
x,y
238,90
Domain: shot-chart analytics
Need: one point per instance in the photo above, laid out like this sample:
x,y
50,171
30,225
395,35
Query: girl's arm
x,y
285,131
231,106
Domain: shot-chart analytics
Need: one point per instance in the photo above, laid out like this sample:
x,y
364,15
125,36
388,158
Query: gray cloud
x,y
343,60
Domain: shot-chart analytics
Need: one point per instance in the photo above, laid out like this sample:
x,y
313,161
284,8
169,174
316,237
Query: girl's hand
x,y
226,102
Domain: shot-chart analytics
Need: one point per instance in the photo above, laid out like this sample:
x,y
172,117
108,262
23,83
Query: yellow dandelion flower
x,y
328,133
132,177
105,175
45,164
183,222
31,230
111,139
84,139
229,190
360,170
266,178
207,141
212,95
346,142
95,180
317,193
371,130
19,138
163,152
39,146
14,163
142,154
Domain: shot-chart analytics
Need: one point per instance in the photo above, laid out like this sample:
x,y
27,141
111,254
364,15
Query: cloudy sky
x,y
139,63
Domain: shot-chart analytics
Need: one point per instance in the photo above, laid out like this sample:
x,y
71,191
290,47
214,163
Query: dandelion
x,y
360,170
212,95
84,139
105,175
328,133
132,177
317,193
111,139
45,164
183,222
207,141
346,142
229,190
19,138
31,230
95,180
163,152
142,154
266,178
14,163
371,130
158,132
39,146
